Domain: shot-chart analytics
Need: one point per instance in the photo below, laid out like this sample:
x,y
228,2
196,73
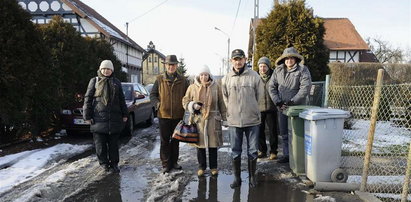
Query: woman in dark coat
x,y
105,109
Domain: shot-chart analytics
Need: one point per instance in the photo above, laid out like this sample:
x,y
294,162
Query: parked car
x,y
72,117
138,103
149,87
139,106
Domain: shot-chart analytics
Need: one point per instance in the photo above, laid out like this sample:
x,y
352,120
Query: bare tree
x,y
384,51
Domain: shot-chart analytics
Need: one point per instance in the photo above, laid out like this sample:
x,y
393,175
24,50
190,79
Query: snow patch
x,y
386,135
59,176
377,180
325,199
29,164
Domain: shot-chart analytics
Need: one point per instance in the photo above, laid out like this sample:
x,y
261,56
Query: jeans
x,y
270,120
283,125
236,138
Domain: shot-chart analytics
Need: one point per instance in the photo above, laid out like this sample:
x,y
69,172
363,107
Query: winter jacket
x,y
105,119
265,102
241,94
210,129
290,85
167,94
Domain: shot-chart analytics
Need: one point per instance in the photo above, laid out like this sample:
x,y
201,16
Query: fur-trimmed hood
x,y
290,52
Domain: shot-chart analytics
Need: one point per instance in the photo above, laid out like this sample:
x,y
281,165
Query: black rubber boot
x,y
252,167
237,173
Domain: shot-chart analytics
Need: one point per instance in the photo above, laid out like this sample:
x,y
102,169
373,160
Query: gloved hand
x,y
279,104
290,103
196,106
199,105
225,123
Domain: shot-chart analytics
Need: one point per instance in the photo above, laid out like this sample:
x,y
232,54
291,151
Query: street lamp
x,y
228,48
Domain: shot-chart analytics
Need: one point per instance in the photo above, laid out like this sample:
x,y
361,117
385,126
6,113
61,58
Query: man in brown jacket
x,y
166,95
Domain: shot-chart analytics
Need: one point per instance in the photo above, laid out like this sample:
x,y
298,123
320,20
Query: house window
x,y
155,59
155,70
149,59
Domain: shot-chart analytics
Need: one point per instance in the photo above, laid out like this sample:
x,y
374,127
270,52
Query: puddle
x,y
218,189
155,153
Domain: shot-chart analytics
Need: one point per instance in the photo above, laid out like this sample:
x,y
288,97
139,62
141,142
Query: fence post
x,y
326,87
374,116
404,195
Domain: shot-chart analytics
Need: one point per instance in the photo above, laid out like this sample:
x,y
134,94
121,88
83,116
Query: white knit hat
x,y
107,64
205,69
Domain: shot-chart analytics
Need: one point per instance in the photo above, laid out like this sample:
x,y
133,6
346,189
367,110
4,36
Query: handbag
x,y
185,132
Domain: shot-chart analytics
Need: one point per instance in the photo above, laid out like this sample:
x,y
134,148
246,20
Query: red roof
x,y
340,34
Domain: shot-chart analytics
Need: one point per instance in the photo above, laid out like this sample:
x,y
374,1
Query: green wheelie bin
x,y
296,138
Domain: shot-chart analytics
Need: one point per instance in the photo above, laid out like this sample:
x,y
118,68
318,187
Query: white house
x,y
89,23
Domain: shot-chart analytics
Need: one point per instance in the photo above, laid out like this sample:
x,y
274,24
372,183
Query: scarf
x,y
265,77
204,96
102,88
172,76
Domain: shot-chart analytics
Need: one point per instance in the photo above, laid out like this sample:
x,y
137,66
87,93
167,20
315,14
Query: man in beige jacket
x,y
241,90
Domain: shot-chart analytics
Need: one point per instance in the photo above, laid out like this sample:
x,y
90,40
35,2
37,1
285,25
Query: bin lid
x,y
323,113
296,110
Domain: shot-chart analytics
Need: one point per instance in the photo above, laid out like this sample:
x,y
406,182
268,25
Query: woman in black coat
x,y
105,109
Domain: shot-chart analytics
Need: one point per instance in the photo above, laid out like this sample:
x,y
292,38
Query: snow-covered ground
x,y
386,136
389,138
44,174
24,166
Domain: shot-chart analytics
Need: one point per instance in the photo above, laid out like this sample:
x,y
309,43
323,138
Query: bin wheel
x,y
339,175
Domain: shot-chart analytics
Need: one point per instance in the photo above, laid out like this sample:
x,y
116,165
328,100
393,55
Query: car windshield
x,y
127,90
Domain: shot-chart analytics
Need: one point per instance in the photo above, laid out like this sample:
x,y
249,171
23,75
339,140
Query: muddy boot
x,y
252,167
237,173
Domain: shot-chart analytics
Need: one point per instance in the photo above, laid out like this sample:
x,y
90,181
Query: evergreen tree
x,y
293,24
26,81
181,69
75,59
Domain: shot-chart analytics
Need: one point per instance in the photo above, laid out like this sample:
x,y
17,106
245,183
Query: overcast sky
x,y
186,27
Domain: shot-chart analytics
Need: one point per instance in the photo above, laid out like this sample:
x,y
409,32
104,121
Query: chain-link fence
x,y
317,94
390,147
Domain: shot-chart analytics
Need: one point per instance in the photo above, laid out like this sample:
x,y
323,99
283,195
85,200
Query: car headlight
x,y
66,111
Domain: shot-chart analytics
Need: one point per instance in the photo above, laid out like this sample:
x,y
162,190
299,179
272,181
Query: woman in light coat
x,y
205,96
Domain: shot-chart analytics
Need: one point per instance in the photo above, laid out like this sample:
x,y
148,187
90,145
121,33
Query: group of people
x,y
246,102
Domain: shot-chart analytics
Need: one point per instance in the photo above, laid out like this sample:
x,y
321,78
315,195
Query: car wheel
x,y
150,120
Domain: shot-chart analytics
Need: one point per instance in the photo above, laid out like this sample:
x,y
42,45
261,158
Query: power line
x,y
236,15
148,11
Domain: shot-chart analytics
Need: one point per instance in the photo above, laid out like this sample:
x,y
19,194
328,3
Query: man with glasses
x,y
289,85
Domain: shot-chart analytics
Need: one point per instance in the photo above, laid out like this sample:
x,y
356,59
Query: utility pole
x,y
256,9
254,25
228,48
127,50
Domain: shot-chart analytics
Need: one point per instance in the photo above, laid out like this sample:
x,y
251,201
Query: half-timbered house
x,y
90,24
341,38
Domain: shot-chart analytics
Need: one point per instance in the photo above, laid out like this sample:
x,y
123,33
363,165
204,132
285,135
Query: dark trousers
x,y
106,148
212,158
283,126
169,146
268,118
